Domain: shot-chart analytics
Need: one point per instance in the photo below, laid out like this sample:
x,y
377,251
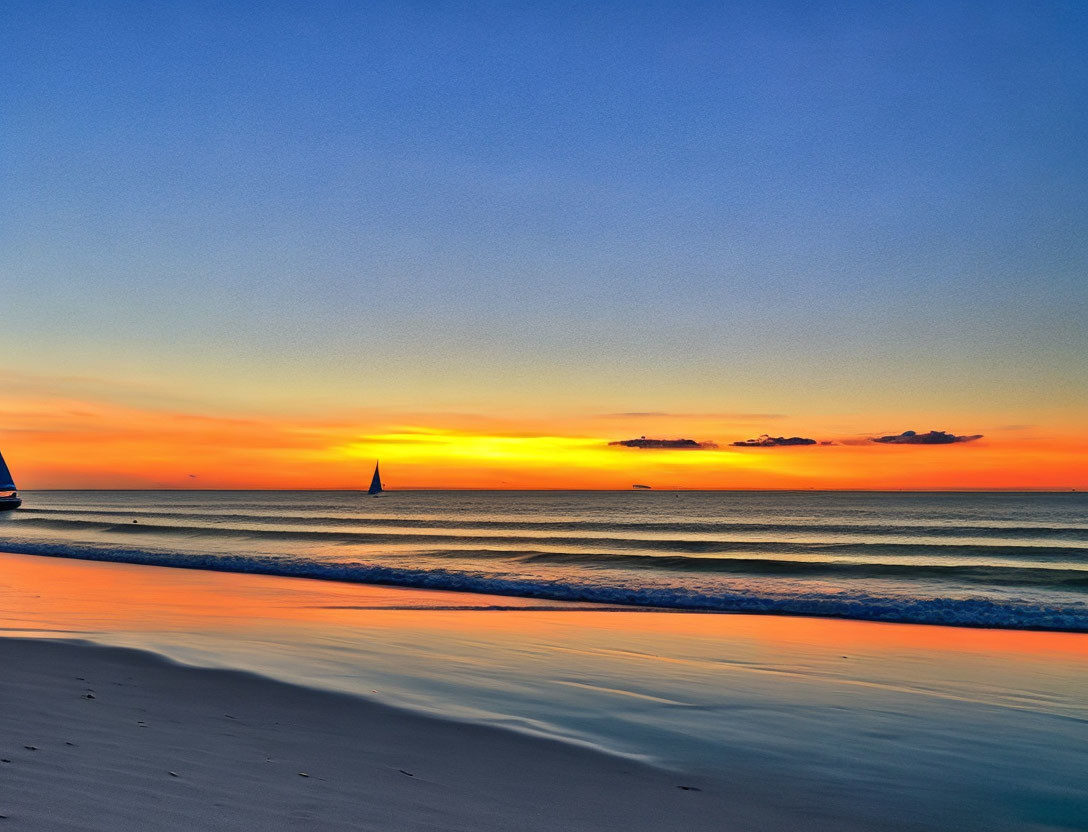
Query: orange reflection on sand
x,y
61,593
47,593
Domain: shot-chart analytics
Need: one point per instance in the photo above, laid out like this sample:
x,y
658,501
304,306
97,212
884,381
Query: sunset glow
x,y
80,441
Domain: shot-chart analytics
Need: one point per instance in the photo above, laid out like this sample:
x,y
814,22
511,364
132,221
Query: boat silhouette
x,y
375,483
9,495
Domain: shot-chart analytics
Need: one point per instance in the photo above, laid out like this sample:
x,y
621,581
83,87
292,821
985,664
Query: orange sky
x,y
68,434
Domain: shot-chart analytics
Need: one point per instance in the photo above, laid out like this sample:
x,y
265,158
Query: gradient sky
x,y
264,243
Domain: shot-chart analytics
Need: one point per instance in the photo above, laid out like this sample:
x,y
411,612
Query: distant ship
x,y
9,496
375,483
636,485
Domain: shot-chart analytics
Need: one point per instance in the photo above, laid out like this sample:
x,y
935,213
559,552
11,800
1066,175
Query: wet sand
x,y
105,738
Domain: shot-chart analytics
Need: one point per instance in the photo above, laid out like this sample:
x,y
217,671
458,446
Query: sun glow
x,y
432,444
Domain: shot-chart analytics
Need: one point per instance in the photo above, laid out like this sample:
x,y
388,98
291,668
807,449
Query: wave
x,y
988,574
1009,613
671,545
689,527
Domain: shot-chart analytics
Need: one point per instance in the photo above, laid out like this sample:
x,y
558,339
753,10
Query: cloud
x,y
766,441
934,437
665,444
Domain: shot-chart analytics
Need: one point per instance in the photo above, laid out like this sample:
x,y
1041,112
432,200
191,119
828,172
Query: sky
x,y
262,245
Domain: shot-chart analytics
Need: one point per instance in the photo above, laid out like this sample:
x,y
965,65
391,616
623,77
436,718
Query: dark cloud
x,y
934,437
766,441
665,444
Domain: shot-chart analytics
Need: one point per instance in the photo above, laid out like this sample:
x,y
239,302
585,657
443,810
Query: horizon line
x,y
631,489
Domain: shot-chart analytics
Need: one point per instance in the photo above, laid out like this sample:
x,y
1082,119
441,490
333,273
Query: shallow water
x,y
994,559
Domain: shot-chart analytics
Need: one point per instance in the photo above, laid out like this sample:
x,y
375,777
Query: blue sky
x,y
794,206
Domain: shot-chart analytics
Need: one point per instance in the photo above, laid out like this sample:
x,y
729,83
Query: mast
x,y
376,482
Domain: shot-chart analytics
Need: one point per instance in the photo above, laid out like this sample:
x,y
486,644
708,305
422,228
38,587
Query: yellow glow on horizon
x,y
421,444
53,441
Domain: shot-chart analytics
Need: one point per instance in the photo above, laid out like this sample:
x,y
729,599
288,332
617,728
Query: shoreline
x,y
127,739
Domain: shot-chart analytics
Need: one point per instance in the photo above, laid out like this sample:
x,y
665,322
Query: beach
x,y
509,714
101,738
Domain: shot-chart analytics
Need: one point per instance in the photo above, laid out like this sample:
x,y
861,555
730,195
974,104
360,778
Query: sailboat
x,y
375,483
9,497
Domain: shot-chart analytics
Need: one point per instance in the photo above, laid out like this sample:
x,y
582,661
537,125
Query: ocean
x,y
1009,560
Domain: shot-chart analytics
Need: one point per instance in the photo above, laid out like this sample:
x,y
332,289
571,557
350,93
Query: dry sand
x,y
96,738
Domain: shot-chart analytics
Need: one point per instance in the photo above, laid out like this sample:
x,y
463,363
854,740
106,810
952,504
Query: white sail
x,y
6,482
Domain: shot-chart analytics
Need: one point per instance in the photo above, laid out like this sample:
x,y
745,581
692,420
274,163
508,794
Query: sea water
x,y
1010,560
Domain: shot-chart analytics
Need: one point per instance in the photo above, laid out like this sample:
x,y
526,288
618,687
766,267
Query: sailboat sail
x,y
376,482
6,482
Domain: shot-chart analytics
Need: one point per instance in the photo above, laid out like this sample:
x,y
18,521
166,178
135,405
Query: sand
x,y
105,738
